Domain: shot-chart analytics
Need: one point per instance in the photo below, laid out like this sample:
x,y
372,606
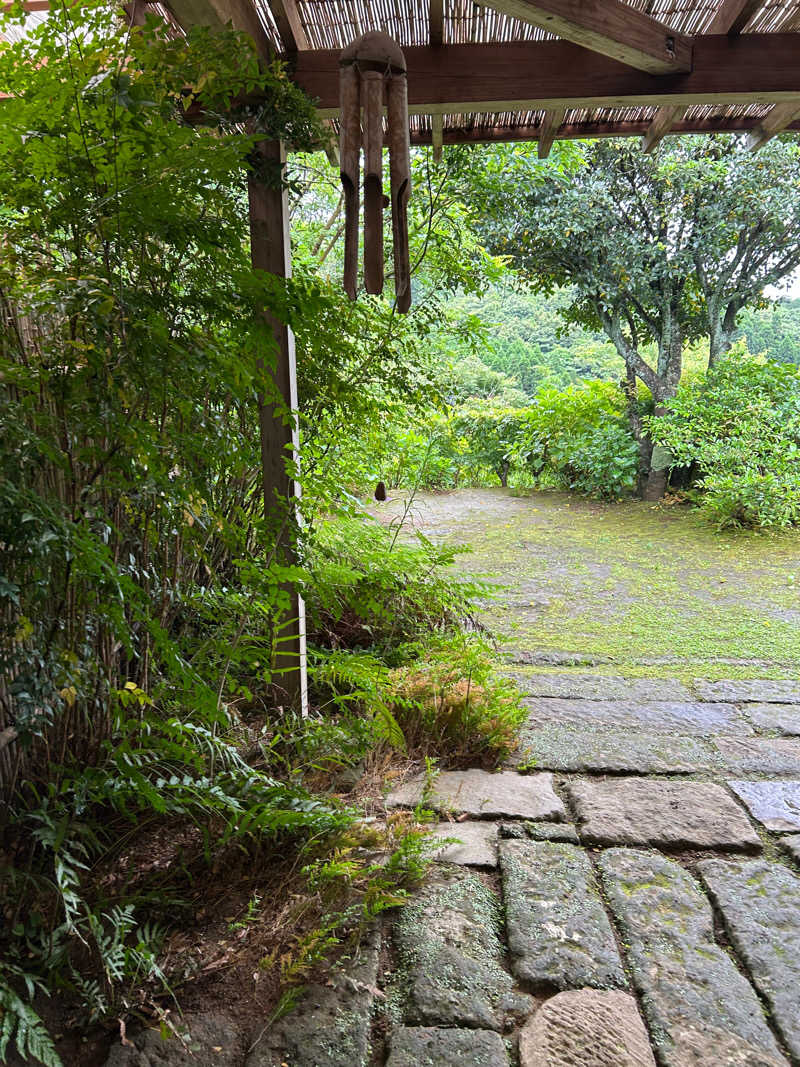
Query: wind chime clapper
x,y
372,73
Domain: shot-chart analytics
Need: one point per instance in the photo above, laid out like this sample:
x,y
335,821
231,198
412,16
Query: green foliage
x,y
772,331
374,590
577,438
683,239
18,1020
452,706
140,586
656,250
740,424
581,436
528,340
492,435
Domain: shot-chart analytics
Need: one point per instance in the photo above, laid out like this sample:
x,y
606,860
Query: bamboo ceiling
x,y
718,90
332,24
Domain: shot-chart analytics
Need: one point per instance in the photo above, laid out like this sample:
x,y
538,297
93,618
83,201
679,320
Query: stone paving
x,y
626,893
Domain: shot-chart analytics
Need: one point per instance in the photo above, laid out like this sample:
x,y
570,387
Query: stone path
x,y
626,893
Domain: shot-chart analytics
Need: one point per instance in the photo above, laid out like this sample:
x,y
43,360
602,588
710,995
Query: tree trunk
x,y
656,484
720,337
660,463
635,423
502,473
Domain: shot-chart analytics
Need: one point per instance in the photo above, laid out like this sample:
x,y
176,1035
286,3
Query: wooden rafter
x,y
659,127
437,132
533,75
548,129
580,130
731,18
775,121
290,28
436,20
733,15
240,14
610,27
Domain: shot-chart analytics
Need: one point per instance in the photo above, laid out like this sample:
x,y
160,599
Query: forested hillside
x,y
773,330
528,339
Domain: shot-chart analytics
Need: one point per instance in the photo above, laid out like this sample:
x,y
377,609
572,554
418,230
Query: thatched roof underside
x,y
476,73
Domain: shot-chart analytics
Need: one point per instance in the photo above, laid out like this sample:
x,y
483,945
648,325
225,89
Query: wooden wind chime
x,y
373,75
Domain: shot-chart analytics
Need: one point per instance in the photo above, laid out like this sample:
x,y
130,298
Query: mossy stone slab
x,y
431,1046
700,1008
659,716
760,755
330,1026
758,690
559,935
791,845
601,687
783,718
477,843
483,795
579,748
760,904
555,658
776,804
666,814
586,1028
450,954
539,831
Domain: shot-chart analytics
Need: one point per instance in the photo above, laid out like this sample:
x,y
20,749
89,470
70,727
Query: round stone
x,y
586,1028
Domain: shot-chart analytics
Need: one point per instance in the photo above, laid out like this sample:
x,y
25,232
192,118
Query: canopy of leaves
x,y
685,237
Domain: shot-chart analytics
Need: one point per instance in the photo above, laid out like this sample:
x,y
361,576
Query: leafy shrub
x,y
140,584
492,435
581,435
449,704
61,928
426,456
740,424
370,589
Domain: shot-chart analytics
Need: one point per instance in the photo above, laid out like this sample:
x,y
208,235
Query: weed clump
x,y
450,704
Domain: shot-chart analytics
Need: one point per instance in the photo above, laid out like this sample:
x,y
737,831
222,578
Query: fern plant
x,y
20,1023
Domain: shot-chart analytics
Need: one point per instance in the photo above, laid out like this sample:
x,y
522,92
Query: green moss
x,y
655,590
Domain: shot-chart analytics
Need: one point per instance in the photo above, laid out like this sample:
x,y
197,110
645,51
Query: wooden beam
x,y
436,20
270,251
217,14
780,116
733,15
548,130
536,75
659,127
610,27
775,121
731,18
437,126
290,28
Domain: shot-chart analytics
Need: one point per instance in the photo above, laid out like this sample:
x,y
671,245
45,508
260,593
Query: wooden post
x,y
270,251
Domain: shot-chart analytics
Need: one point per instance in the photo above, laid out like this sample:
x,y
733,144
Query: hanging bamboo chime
x,y
373,74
